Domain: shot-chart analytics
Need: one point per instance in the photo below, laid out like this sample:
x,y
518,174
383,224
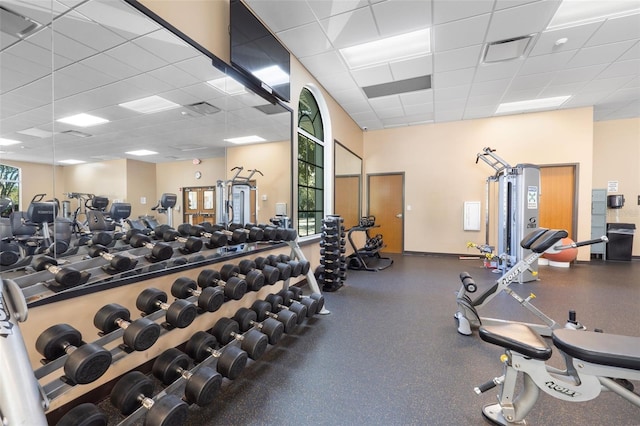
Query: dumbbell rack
x,y
333,266
357,259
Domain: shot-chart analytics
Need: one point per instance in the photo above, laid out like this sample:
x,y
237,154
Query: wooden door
x,y
386,203
199,204
347,199
558,198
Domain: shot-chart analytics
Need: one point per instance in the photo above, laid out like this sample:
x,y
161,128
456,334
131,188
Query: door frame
x,y
401,174
576,171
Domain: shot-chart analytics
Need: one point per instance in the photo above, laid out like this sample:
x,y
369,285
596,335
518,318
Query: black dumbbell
x,y
254,279
254,233
296,267
210,299
99,238
301,267
201,386
118,262
270,233
189,244
253,342
231,359
332,251
139,335
234,288
270,273
296,294
85,363
86,414
134,390
216,239
278,303
248,318
283,268
236,237
264,310
64,276
159,251
179,314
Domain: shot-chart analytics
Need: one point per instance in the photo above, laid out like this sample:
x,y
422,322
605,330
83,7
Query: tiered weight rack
x,y
332,270
368,257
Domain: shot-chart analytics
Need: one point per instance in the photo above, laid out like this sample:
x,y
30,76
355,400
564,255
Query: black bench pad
x,y
517,337
599,348
548,240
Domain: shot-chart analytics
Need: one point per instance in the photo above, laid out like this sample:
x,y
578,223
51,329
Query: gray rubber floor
x,y
389,353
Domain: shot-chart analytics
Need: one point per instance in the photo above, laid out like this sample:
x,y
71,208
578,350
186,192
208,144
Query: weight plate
x,y
125,394
51,343
87,363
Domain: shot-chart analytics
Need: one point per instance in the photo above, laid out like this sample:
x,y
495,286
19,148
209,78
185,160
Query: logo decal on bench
x,y
561,389
5,324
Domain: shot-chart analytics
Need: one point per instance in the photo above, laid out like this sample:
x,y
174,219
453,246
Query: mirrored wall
x,y
347,184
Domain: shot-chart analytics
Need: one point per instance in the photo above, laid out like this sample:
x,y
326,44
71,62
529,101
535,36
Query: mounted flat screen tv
x,y
257,53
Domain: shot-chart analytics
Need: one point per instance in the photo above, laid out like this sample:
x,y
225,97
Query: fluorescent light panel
x,y
149,105
141,152
83,120
38,133
227,85
533,104
403,46
580,12
273,75
71,161
246,139
7,142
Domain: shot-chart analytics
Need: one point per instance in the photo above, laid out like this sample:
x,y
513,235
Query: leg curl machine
x,y
538,242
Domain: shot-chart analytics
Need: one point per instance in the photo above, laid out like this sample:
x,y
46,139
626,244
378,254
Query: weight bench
x,y
593,362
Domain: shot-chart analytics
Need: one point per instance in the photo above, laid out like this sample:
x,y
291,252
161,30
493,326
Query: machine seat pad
x,y
517,337
548,240
531,237
599,348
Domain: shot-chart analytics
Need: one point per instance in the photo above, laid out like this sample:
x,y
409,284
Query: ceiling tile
x,y
561,90
457,59
417,98
453,78
442,116
389,113
304,41
520,95
411,68
110,66
401,16
573,75
479,112
326,8
64,46
34,53
492,87
491,100
622,68
324,63
77,27
602,54
386,102
462,33
172,76
622,95
576,38
450,94
118,17
447,11
522,20
498,71
298,13
583,99
617,29
504,4
633,53
372,75
546,63
351,28
167,46
338,82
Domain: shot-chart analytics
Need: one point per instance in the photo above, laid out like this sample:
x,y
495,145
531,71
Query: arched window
x,y
311,170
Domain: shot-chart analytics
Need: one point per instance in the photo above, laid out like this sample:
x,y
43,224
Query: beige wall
x,y
440,171
141,186
108,178
37,179
616,157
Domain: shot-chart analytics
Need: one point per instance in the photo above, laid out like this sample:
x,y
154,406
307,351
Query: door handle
x,y
399,215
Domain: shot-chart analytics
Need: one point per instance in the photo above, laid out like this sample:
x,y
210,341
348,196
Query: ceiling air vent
x,y
506,50
15,24
203,108
395,87
270,109
76,133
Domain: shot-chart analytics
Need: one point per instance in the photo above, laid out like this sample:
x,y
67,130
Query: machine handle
x,y
602,239
488,385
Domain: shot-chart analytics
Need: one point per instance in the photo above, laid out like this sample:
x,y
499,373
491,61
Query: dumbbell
x,y
58,247
134,390
283,268
278,304
189,244
264,310
118,262
139,335
86,414
201,387
179,314
269,233
253,342
304,264
159,251
99,238
65,276
289,299
286,234
253,233
254,279
236,237
296,294
234,288
231,359
216,239
85,362
210,299
274,260
332,251
248,318
270,273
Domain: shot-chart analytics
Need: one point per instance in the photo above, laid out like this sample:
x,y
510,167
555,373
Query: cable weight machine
x,y
518,209
233,201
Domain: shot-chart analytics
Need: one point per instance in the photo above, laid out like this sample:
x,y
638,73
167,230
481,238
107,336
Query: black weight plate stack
x,y
332,243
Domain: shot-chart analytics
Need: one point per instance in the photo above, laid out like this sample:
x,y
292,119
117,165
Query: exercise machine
x,y
233,203
165,205
537,242
518,193
593,362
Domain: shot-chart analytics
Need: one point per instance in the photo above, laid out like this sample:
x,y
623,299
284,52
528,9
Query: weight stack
x,y
332,271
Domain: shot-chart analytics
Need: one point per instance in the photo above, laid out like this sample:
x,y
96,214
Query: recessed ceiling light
x,y
580,12
141,152
149,105
533,104
227,85
7,142
83,120
273,75
403,46
71,161
246,139
38,133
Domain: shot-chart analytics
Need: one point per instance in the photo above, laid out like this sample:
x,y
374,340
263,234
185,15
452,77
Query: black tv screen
x,y
257,53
